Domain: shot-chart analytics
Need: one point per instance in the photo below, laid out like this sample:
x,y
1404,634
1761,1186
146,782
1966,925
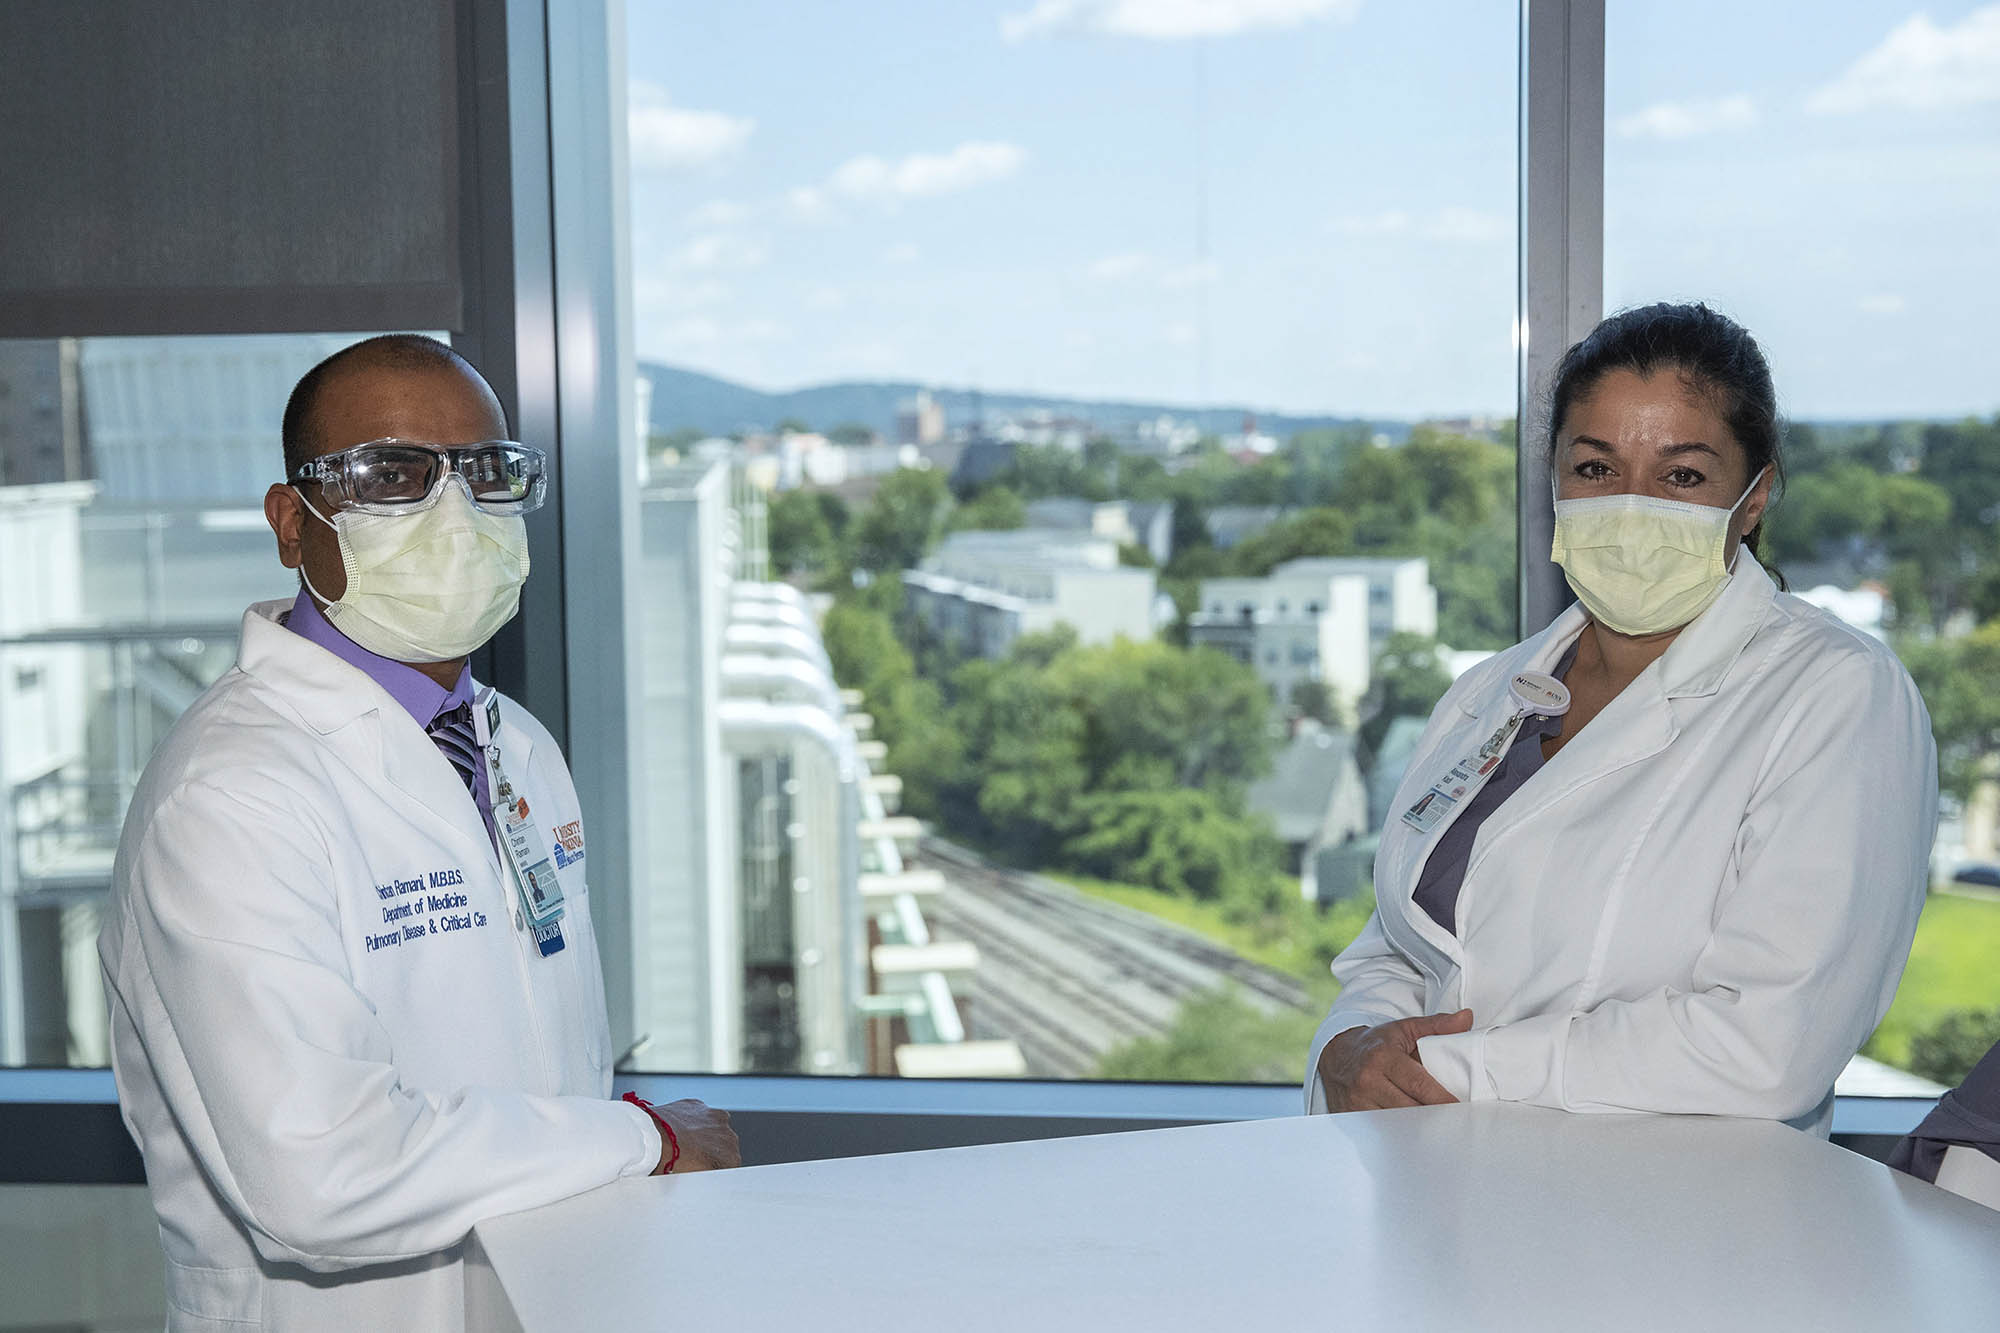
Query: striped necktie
x,y
453,734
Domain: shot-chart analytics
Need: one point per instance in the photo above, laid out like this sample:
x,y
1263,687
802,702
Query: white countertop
x,y
1489,1216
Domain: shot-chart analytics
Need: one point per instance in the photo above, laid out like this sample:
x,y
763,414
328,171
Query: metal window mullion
x,y
1561,236
594,368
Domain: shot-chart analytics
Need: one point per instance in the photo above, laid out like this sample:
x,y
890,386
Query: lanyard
x,y
1533,694
536,887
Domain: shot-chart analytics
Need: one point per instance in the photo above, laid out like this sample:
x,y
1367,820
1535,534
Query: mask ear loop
x,y
304,577
1738,505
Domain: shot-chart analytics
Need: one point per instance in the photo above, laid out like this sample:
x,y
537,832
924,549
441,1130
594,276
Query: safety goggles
x,y
406,477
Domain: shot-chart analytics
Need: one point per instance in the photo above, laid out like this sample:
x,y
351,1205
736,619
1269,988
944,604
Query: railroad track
x,y
1071,978
1208,964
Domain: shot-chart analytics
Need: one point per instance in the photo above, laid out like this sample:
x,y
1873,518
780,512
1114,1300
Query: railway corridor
x,y
1069,977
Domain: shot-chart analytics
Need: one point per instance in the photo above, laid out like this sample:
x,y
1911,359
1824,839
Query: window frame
x,y
548,318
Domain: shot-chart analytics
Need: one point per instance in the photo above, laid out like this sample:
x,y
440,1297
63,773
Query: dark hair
x,y
390,351
1712,353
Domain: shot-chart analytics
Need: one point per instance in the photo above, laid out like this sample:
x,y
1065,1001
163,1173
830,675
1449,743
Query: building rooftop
x,y
1302,781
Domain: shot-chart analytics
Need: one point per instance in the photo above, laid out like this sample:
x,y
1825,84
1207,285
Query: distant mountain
x,y
688,398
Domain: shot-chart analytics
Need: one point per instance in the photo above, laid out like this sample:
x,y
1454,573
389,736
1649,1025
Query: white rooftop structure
x,y
982,590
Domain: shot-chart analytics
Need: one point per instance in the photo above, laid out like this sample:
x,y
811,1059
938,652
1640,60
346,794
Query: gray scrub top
x,y
1444,870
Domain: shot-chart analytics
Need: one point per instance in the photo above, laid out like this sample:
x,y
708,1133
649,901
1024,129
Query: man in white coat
x,y
343,1028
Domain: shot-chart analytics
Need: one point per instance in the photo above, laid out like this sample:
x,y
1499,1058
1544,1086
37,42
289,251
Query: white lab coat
x,y
1702,904
323,1121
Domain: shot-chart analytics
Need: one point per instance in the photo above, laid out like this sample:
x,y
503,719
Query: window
x,y
878,391
132,475
1835,192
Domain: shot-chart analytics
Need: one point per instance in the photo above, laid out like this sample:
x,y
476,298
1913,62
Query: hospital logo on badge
x,y
568,842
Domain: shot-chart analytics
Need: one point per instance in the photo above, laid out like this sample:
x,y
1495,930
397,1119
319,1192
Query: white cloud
x,y
660,292
760,331
1389,222
1688,120
1883,303
718,213
1466,225
1458,226
665,137
717,251
1921,67
1135,267
1117,268
702,332
826,297
903,252
1167,20
1198,274
973,163
807,204
1182,333
696,331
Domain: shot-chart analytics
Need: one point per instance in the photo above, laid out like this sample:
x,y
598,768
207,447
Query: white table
x,y
1494,1217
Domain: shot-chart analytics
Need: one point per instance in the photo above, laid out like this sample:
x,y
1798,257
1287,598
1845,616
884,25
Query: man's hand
x,y
1367,1069
707,1142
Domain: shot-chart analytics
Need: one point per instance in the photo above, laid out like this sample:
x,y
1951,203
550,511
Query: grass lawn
x,y
1955,964
1303,953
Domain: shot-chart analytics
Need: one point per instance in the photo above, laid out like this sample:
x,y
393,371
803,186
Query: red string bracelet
x,y
673,1141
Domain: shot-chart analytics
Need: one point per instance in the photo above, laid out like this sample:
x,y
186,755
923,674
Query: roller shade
x,y
228,166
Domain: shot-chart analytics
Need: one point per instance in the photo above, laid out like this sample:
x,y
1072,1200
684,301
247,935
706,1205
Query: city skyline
x,y
1089,199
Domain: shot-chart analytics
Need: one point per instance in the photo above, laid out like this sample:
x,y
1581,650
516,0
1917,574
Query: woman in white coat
x,y
1668,854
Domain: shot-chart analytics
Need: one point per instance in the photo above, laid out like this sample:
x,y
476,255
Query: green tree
x,y
851,433
1181,841
1317,700
909,713
1821,509
1407,680
1946,1051
994,509
793,426
1311,532
802,535
1185,718
1041,470
1964,458
1956,678
903,521
1218,1037
1024,744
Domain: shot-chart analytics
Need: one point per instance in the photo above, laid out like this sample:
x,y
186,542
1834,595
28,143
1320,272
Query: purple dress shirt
x,y
421,696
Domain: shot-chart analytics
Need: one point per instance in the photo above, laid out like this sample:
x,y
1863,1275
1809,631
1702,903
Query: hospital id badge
x,y
1462,779
535,880
1533,694
535,883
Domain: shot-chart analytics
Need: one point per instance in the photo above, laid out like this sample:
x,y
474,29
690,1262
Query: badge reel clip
x,y
1533,694
536,887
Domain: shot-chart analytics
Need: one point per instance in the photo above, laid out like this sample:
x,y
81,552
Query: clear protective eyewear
x,y
407,476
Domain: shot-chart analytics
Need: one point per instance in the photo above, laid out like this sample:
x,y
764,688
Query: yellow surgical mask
x,y
429,586
1642,565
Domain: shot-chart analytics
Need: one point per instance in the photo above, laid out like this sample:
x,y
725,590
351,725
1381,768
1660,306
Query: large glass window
x,y
1833,185
1079,448
132,476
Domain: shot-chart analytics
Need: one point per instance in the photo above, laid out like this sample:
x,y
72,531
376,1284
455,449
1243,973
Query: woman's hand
x,y
1368,1069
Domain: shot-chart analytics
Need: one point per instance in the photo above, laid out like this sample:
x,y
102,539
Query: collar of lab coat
x,y
1693,665
351,712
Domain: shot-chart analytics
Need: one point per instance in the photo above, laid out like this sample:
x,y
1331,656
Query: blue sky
x,y
1297,204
